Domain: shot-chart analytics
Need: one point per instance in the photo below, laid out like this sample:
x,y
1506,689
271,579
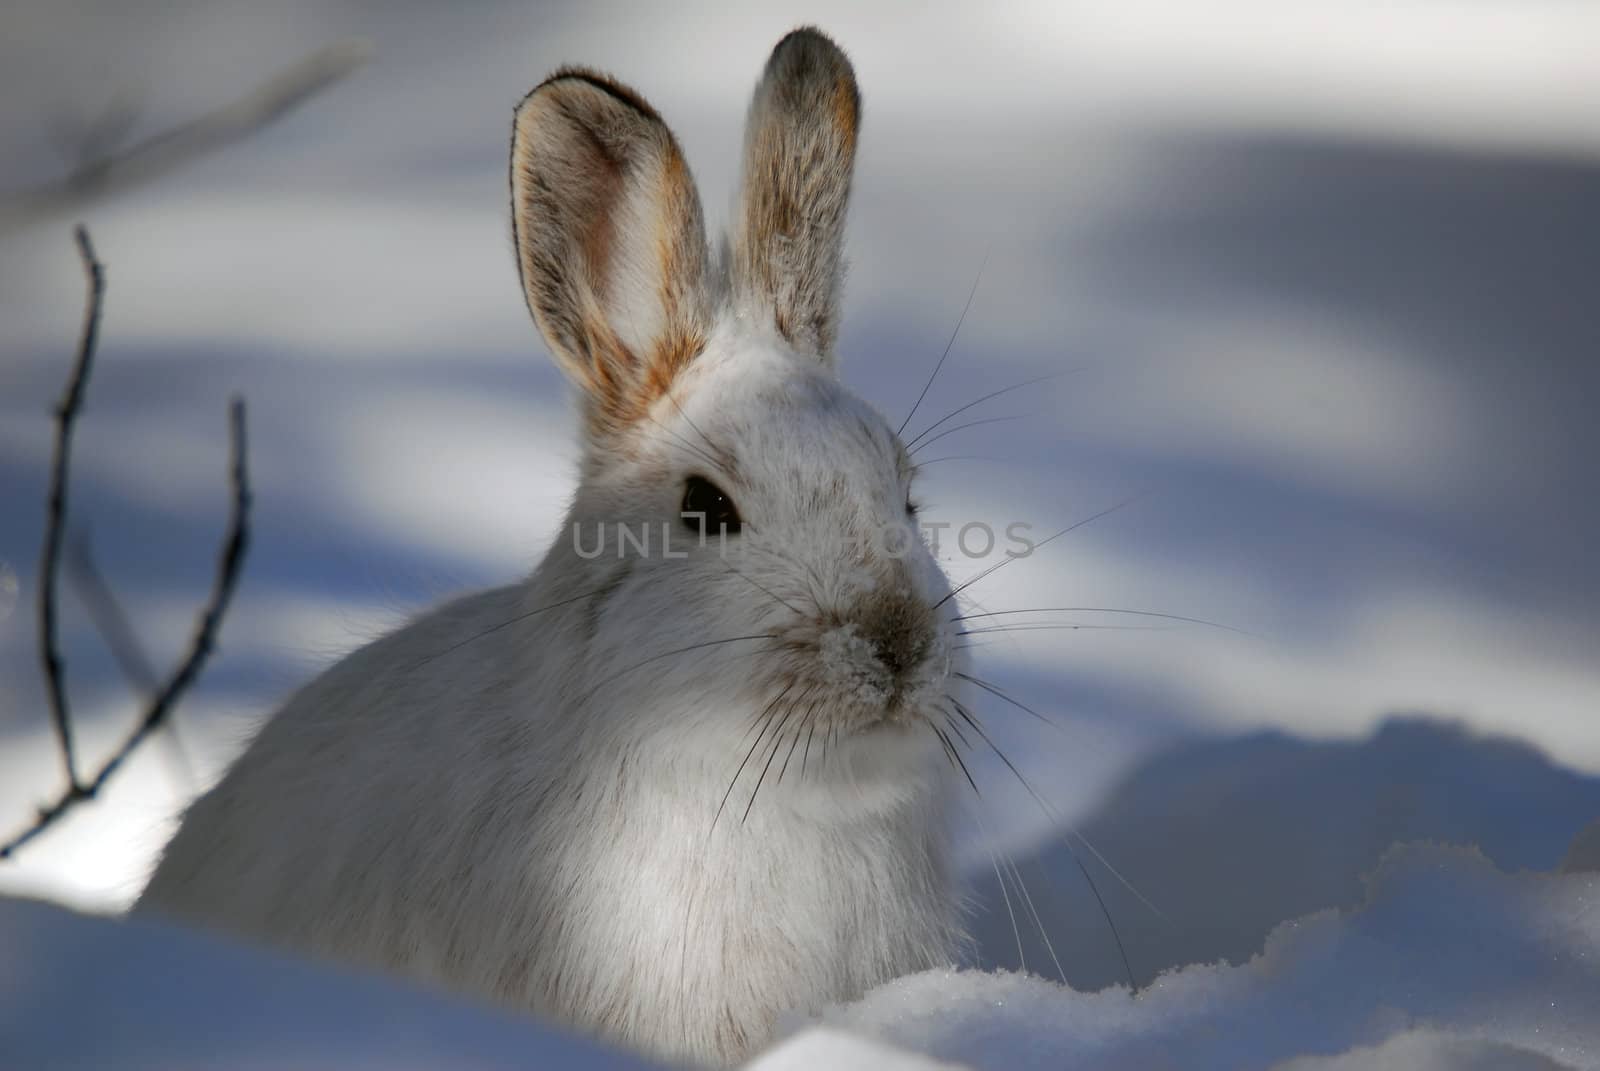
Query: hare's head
x,y
773,503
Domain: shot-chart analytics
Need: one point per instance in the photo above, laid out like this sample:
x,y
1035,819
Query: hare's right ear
x,y
610,243
799,152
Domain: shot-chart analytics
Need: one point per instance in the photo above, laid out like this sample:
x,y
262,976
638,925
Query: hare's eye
x,y
707,509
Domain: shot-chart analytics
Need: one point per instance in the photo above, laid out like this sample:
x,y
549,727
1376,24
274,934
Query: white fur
x,y
520,795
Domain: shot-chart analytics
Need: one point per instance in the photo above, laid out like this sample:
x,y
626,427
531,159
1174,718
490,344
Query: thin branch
x,y
210,620
164,152
56,509
229,562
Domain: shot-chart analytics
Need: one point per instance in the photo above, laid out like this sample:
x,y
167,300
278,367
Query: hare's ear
x,y
799,150
610,243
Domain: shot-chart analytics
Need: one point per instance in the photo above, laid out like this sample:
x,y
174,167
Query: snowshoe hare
x,y
690,774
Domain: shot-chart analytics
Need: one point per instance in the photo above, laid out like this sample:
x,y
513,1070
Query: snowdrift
x,y
1450,963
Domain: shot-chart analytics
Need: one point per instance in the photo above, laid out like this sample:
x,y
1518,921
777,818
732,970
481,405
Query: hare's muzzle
x,y
880,656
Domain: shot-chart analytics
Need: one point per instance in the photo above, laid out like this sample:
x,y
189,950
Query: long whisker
x,y
1016,931
999,694
777,742
964,585
1050,811
959,321
967,717
959,457
693,448
950,723
1061,627
669,654
1027,897
954,758
712,447
765,720
1005,895
963,427
805,757
1104,610
794,742
992,394
762,587
747,546
1038,923
512,621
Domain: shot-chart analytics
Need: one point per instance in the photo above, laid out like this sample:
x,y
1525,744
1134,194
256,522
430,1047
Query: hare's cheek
x,y
926,577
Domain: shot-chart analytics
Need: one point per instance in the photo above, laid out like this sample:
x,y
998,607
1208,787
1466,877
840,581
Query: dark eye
x,y
707,509
912,506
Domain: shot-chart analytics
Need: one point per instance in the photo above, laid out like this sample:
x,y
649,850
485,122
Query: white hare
x,y
689,775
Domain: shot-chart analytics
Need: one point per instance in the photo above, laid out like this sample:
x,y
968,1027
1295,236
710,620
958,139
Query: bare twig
x,y
229,562
112,170
56,508
231,558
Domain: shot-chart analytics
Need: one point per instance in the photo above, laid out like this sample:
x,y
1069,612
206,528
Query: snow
x,y
1293,929
83,992
1448,963
1428,1050
817,1047
1229,836
1444,943
1584,855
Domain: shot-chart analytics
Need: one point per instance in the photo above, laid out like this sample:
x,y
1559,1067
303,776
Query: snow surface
x,y
1446,957
1228,837
1445,943
77,991
1449,964
1428,1050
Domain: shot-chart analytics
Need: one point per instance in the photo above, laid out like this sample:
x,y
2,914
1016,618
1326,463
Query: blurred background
x,y
1321,277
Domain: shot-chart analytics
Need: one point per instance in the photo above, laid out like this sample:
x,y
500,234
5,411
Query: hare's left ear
x,y
788,233
610,243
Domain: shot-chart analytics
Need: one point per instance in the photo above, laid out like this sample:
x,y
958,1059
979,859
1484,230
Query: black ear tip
x,y
808,48
587,76
806,36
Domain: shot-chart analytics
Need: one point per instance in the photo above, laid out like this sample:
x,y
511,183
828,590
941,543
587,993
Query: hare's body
x,y
675,784
564,877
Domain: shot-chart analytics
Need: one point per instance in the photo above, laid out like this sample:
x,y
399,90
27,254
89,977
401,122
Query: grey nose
x,y
900,630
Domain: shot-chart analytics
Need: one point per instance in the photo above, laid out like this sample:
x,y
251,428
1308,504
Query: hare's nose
x,y
899,628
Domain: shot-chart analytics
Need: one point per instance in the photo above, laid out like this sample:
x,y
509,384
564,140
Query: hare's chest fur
x,y
680,939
